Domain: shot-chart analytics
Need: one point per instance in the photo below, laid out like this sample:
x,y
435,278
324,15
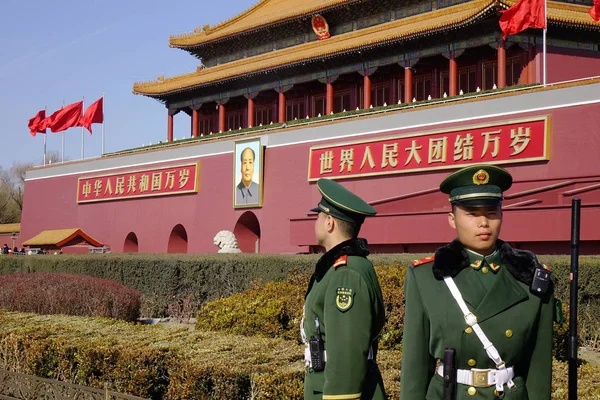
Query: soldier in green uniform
x,y
492,304
343,310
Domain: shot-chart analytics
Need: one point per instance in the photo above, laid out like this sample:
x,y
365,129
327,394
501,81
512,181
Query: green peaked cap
x,y
341,203
477,185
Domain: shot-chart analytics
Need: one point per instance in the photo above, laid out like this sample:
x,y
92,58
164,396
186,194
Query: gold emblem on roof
x,y
481,177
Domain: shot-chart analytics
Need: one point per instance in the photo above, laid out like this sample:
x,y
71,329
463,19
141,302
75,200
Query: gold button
x,y
485,270
469,330
509,333
472,391
471,362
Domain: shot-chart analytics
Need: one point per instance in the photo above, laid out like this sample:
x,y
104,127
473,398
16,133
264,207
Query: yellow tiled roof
x,y
263,13
402,28
336,44
59,237
10,228
267,12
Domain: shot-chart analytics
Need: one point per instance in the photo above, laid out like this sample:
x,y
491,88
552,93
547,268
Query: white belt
x,y
481,377
308,360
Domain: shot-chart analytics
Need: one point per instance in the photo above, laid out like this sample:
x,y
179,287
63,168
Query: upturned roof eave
x,y
342,52
558,14
204,39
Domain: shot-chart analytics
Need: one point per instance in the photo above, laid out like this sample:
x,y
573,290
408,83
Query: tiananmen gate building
x,y
385,96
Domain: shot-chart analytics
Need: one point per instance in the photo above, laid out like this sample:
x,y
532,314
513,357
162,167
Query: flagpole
x,y
103,117
45,135
62,150
545,30
82,132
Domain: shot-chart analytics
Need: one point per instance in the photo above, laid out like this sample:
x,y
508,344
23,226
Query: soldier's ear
x,y
330,223
451,220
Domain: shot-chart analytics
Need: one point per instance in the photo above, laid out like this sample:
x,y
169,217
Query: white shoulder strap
x,y
471,320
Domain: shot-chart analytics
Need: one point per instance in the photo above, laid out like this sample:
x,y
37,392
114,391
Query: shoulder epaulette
x,y
425,260
343,260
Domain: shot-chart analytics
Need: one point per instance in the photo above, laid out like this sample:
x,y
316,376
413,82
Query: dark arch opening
x,y
247,232
131,243
178,240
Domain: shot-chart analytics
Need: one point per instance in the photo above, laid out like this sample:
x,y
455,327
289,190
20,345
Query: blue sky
x,y
66,50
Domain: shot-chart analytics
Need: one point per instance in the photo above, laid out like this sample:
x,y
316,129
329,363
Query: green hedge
x,y
175,284
169,363
275,310
169,283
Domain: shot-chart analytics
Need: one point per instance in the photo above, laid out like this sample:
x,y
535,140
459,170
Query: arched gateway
x,y
178,240
131,243
247,232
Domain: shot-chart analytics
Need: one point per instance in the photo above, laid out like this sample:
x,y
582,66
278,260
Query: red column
x,y
329,97
195,123
531,64
501,64
394,91
221,118
435,84
453,76
408,77
281,107
367,91
251,112
170,128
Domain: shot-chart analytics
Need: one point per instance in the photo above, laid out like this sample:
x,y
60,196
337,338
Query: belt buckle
x,y
480,377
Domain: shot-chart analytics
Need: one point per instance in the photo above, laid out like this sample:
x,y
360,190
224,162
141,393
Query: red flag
x,y
93,115
67,117
36,124
595,11
524,14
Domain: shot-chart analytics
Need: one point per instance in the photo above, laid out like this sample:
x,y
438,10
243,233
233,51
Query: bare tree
x,y
53,157
17,174
9,210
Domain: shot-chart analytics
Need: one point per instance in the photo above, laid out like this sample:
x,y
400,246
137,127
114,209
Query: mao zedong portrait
x,y
247,191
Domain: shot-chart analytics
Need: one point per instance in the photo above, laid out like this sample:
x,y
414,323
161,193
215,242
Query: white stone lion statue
x,y
226,242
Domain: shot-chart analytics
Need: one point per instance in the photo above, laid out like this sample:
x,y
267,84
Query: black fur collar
x,y
451,259
351,247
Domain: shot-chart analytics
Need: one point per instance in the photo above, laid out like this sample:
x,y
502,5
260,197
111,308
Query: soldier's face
x,y
477,228
322,227
247,167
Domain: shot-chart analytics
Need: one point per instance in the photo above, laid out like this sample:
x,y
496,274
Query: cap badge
x,y
481,177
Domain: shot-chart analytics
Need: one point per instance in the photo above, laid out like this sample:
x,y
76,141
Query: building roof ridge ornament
x,y
263,14
410,27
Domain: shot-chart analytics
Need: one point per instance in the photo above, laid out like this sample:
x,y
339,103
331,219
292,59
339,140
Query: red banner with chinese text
x,y
504,142
163,181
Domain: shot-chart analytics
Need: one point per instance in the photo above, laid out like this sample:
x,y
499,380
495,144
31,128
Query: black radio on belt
x,y
317,350
541,279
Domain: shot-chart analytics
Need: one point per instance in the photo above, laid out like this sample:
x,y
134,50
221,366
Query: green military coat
x,y
496,289
345,296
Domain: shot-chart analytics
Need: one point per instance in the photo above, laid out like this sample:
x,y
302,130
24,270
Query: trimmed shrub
x,y
56,293
270,310
176,285
159,362
275,310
